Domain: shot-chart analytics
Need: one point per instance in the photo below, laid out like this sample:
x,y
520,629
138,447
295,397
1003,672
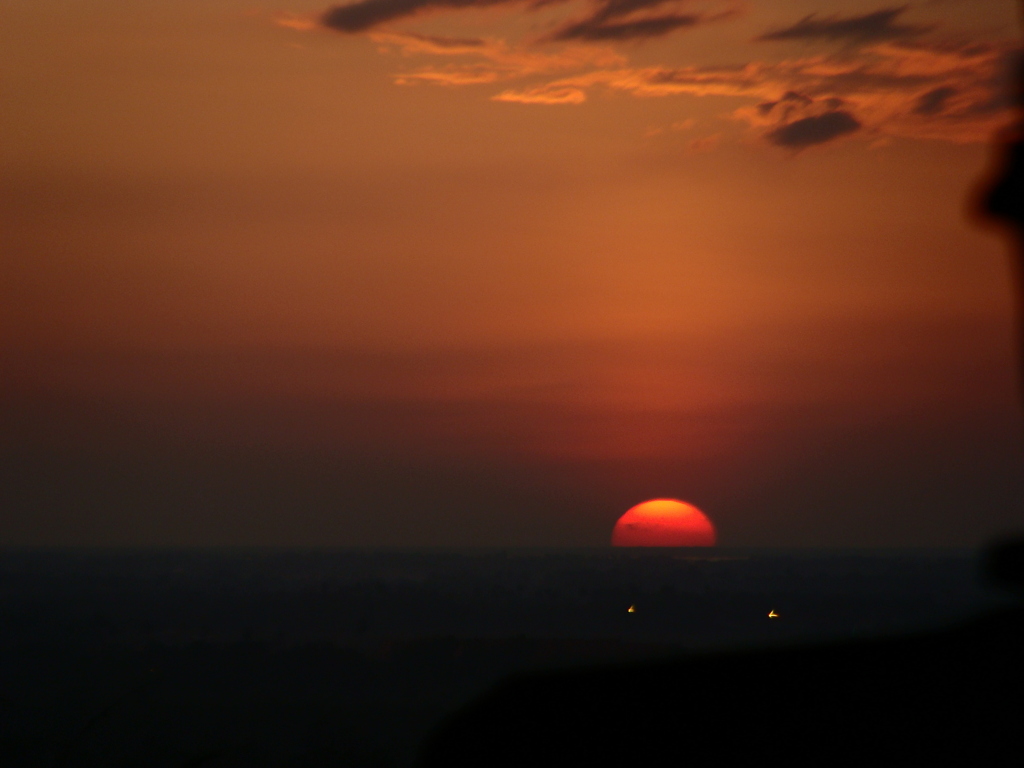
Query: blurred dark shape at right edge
x,y
949,697
1001,201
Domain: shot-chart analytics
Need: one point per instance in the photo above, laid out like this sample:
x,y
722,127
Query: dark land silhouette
x,y
348,658
949,697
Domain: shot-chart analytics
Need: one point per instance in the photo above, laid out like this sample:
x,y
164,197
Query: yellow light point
x,y
772,614
631,609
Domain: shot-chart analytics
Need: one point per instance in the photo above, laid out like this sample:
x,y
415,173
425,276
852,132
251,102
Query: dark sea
x,y
349,657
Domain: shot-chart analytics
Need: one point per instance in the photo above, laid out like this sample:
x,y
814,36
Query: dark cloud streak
x,y
609,20
934,101
818,129
878,25
589,29
363,15
615,20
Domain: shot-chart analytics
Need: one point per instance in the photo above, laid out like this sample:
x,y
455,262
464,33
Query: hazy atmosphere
x,y
457,272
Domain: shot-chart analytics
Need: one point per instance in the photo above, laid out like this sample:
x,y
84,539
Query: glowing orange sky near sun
x,y
664,523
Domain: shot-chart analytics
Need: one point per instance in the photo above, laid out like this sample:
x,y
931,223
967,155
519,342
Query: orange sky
x,y
491,274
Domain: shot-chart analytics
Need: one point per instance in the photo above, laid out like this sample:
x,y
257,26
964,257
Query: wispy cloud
x,y
474,61
548,94
909,90
890,78
650,82
296,22
704,144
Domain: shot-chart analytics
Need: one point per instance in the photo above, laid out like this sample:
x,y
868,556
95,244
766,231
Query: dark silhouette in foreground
x,y
954,696
266,659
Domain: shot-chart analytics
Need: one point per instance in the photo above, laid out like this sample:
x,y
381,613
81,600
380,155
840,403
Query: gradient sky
x,y
450,272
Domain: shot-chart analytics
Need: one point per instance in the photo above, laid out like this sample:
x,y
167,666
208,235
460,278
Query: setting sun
x,y
664,523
